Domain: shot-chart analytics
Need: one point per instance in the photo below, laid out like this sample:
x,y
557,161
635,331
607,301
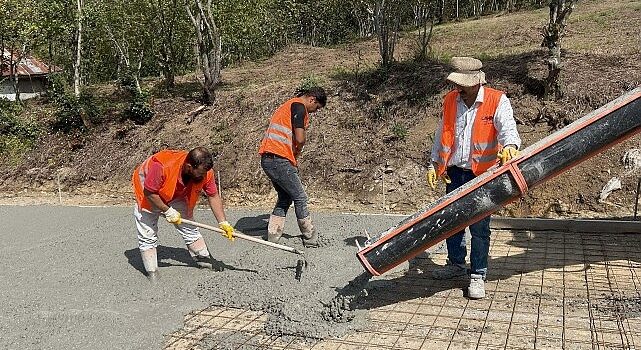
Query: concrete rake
x,y
301,264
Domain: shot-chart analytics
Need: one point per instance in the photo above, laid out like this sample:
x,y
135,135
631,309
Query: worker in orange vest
x,y
477,125
170,183
282,144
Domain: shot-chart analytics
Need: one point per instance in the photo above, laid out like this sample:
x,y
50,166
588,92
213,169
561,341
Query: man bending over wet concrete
x,y
477,125
169,183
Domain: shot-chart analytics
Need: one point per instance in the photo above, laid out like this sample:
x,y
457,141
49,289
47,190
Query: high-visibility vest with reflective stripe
x,y
279,138
172,162
485,145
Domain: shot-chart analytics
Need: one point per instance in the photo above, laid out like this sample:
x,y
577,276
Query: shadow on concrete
x,y
543,250
253,225
257,226
351,241
171,256
415,283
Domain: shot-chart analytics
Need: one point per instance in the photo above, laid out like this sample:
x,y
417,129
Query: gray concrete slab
x,y
72,277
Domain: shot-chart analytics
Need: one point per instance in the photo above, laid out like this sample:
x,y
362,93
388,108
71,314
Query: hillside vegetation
x,y
366,149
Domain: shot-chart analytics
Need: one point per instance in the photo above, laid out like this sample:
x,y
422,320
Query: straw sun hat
x,y
467,72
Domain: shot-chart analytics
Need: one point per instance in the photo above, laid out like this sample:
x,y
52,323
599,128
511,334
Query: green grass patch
x,y
311,81
602,18
17,136
13,148
399,130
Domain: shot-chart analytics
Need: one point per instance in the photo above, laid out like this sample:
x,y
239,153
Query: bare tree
x,y
424,18
552,33
387,21
76,65
15,57
364,14
208,47
167,29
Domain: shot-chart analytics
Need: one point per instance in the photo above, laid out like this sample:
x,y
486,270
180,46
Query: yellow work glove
x,y
446,178
432,178
229,230
173,216
508,153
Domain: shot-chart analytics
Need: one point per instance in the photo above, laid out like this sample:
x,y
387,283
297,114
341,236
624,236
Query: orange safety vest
x,y
172,162
485,145
279,138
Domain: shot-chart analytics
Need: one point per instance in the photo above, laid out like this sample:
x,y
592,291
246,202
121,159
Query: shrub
x,y
11,124
57,88
16,135
139,110
71,109
399,130
310,81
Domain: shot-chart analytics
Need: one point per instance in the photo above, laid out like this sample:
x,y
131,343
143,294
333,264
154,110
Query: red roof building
x,y
32,76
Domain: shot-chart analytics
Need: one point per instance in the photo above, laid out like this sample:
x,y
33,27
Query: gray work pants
x,y
286,182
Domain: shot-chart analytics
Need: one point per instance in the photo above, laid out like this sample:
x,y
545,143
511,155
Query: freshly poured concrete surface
x,y
71,277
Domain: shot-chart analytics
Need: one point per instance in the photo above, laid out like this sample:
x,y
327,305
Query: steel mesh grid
x,y
547,291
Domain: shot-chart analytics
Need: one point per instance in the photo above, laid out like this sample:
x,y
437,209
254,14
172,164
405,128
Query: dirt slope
x,y
366,149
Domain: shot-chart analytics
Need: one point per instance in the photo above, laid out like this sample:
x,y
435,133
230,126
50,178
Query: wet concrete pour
x,y
317,305
72,277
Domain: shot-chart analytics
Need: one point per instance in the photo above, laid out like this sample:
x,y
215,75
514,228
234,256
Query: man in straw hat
x,y
477,125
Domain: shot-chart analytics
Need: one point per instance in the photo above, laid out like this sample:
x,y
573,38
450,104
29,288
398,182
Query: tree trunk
x,y
552,34
386,24
76,68
132,72
14,74
168,72
441,17
208,48
167,31
456,9
426,17
14,62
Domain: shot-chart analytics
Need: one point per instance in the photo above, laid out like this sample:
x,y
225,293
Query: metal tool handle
x,y
245,237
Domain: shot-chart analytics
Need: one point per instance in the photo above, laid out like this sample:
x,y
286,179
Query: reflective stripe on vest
x,y
279,136
485,145
272,134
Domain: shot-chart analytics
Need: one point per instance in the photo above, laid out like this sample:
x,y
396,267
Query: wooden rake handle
x,y
245,237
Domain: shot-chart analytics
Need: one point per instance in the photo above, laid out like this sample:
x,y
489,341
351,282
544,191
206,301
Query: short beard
x,y
190,178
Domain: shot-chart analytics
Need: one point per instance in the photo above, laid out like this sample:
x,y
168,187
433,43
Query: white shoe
x,y
476,290
449,271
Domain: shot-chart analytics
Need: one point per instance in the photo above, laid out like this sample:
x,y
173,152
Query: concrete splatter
x,y
315,306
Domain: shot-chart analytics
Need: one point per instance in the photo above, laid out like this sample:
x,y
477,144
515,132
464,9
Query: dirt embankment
x,y
366,150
